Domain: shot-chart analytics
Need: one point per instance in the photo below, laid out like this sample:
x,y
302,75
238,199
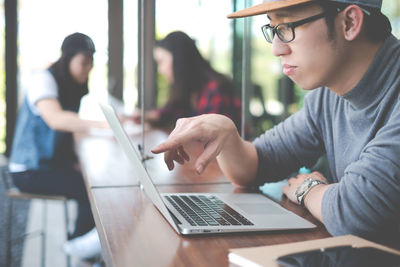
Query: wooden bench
x,y
13,193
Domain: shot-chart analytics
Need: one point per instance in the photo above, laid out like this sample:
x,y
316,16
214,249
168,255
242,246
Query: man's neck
x,y
359,59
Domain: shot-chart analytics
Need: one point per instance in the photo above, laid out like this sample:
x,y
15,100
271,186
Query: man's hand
x,y
211,131
294,182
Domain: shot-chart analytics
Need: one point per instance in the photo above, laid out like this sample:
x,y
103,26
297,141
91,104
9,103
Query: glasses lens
x,y
285,33
268,33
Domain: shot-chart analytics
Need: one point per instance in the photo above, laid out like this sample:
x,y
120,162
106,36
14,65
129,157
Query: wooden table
x,y
134,233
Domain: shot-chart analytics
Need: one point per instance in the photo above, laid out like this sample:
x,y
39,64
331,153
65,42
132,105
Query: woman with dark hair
x,y
195,87
42,157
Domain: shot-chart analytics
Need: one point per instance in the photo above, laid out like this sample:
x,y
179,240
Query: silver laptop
x,y
205,213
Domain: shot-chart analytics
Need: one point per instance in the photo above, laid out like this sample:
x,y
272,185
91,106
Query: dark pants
x,y
68,183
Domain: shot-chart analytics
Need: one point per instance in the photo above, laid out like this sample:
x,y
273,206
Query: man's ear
x,y
352,21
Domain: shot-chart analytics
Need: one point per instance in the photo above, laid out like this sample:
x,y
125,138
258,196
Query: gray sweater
x,y
360,134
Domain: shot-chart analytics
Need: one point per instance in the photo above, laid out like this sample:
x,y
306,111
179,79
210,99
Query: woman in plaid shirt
x,y
195,88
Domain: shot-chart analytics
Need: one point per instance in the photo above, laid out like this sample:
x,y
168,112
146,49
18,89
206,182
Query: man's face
x,y
312,59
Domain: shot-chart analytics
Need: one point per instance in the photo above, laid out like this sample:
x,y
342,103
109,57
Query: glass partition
x,y
203,20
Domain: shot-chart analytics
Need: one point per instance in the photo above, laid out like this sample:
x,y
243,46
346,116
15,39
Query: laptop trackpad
x,y
260,208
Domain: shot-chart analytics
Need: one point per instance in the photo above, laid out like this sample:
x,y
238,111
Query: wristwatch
x,y
303,189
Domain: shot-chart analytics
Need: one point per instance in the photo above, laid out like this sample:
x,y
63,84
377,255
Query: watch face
x,y
304,186
302,190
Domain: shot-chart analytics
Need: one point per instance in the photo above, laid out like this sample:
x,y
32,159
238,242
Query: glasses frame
x,y
291,25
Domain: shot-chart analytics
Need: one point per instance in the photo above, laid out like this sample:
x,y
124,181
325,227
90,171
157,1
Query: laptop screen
x,y
136,162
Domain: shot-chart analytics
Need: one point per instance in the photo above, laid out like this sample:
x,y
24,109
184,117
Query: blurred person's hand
x,y
151,116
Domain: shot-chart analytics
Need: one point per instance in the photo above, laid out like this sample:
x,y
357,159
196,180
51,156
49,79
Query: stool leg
x,y
9,233
44,229
66,229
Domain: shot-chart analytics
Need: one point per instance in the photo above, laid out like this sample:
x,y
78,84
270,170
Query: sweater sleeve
x,y
366,201
291,144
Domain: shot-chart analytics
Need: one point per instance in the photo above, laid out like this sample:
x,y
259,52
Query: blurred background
x,y
114,26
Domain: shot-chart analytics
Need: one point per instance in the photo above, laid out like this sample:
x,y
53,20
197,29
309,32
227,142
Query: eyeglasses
x,y
285,31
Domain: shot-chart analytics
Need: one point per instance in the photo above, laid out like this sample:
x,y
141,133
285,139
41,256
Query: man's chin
x,y
305,86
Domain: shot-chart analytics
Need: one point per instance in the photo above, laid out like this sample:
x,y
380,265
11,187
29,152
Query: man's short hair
x,y
376,25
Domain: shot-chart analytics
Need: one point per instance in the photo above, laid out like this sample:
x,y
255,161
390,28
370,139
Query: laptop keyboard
x,y
201,210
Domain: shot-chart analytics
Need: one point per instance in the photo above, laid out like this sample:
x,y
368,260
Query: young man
x,y
343,52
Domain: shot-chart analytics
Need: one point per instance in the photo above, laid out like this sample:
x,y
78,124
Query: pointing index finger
x,y
170,143
178,137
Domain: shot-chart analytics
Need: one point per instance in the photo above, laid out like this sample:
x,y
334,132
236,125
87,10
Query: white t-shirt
x,y
42,85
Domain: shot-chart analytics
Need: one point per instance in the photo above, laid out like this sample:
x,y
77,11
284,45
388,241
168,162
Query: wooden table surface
x,y
134,233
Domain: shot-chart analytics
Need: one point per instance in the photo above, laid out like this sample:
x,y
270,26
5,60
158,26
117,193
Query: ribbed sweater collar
x,y
382,69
